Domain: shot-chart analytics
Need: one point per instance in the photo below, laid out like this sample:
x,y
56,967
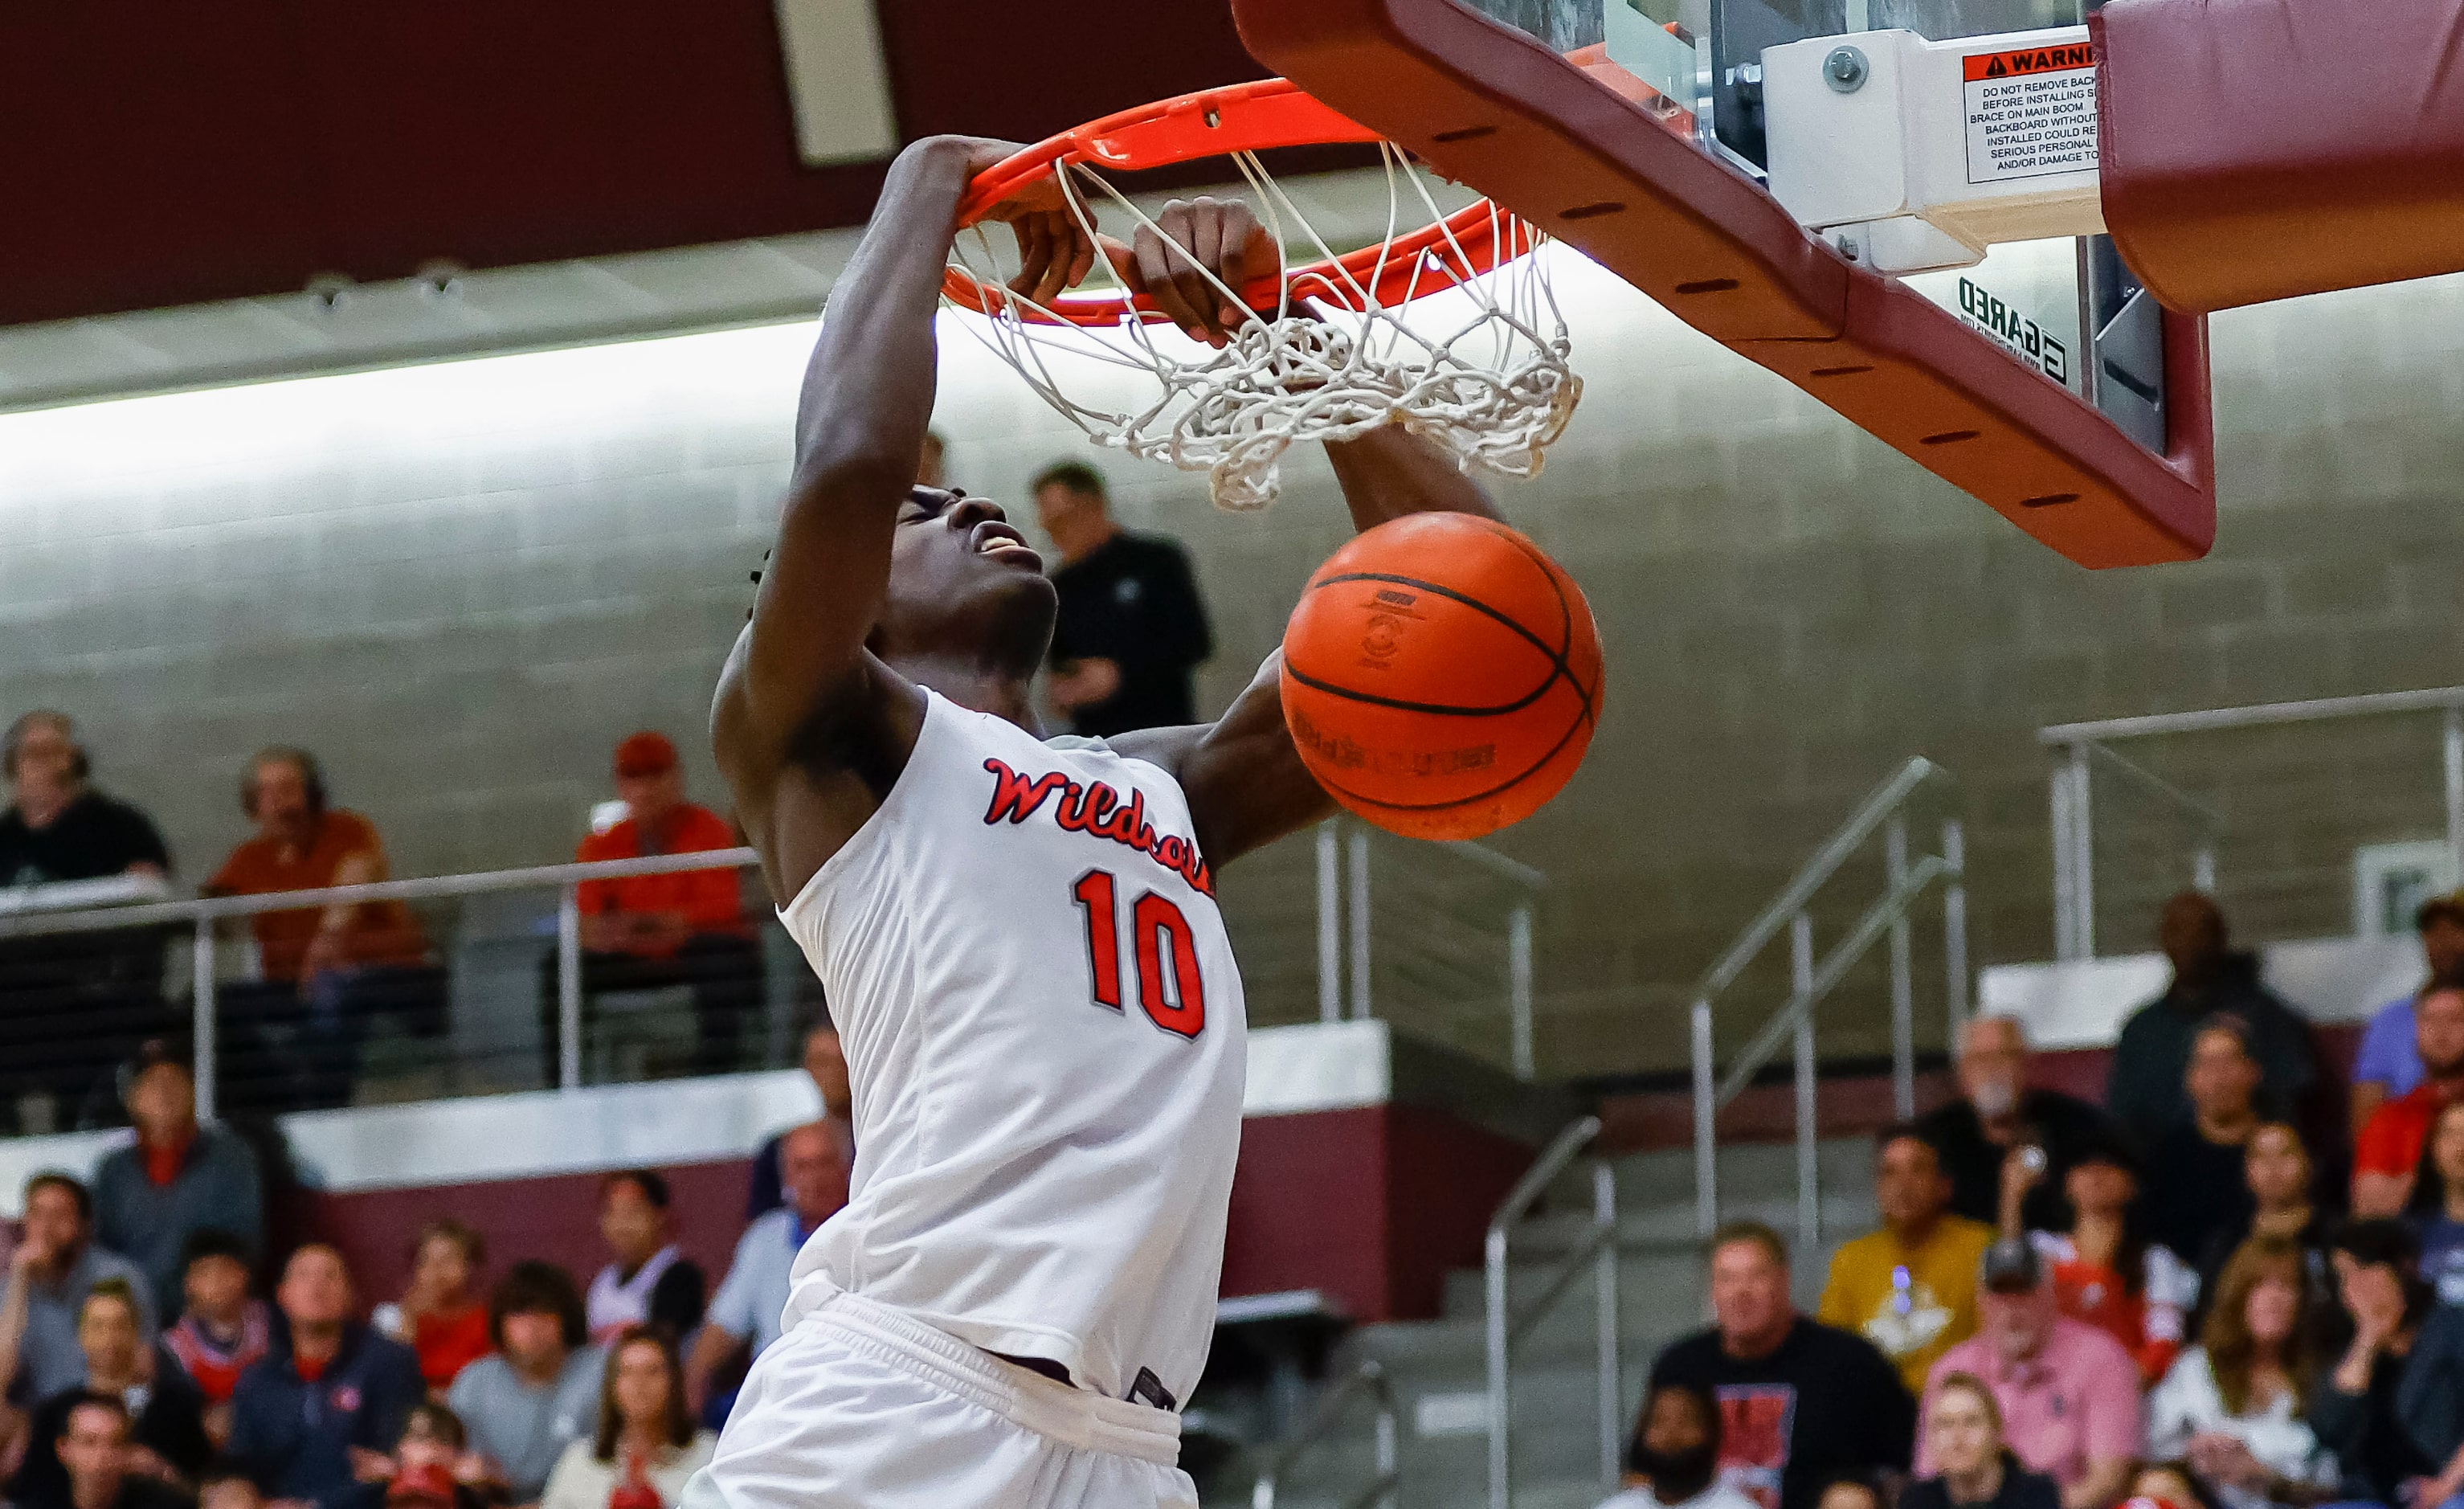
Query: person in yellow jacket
x,y
1909,1288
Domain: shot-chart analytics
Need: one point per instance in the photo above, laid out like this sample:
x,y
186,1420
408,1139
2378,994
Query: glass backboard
x,y
2065,306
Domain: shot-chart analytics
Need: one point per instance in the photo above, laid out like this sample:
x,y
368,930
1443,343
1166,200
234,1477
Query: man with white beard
x,y
1999,1114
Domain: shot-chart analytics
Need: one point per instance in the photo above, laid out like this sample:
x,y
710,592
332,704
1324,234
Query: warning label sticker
x,y
2031,111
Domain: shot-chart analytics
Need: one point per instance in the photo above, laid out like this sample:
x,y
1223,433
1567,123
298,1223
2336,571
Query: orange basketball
x,y
1441,677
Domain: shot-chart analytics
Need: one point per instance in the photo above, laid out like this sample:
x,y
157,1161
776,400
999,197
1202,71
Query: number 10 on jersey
x,y
1170,990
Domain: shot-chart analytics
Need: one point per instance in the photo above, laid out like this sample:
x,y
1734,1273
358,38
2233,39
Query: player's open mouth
x,y
995,539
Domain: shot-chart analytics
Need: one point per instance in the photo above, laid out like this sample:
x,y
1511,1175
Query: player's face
x,y
964,585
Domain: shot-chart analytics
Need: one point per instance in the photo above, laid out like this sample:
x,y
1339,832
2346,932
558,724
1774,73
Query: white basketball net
x,y
1481,372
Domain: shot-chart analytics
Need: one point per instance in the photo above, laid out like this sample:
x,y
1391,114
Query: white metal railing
x,y
1810,981
1346,909
202,914
1506,1325
2082,745
1370,1380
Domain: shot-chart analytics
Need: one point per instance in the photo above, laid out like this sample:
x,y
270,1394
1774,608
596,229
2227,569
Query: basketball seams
x,y
1535,773
1565,612
1573,726
1556,659
1438,709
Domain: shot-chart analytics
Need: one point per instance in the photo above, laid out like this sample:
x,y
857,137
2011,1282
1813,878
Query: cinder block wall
x,y
461,584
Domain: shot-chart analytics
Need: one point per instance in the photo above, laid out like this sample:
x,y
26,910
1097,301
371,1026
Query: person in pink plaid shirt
x,y
2069,1394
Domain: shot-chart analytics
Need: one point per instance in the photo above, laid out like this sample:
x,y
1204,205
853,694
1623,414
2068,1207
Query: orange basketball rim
x,y
1256,117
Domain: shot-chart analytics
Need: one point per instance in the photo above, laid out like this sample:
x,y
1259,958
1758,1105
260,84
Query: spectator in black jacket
x,y
1132,626
1800,1403
97,1468
2363,1409
2196,1187
1998,1113
2210,980
167,1434
332,1388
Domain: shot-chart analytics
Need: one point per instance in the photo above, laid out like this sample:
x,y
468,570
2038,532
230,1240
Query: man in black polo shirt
x,y
58,828
1131,627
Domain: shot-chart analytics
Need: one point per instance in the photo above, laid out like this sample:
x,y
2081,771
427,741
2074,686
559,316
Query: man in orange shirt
x,y
655,930
296,1036
2388,1150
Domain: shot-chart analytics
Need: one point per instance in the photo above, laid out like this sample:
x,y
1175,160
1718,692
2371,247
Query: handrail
x,y
2428,699
1344,919
424,888
2080,744
2215,820
1369,1378
1870,814
202,914
1504,1327
1885,810
1844,954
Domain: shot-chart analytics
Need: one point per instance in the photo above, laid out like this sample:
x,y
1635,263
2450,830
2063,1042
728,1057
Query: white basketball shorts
x,y
862,1407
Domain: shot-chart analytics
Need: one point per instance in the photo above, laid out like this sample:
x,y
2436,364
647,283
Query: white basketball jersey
x,y
1044,1027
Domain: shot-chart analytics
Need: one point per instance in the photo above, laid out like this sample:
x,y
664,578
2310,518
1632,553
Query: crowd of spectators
x,y
141,1367
2213,1288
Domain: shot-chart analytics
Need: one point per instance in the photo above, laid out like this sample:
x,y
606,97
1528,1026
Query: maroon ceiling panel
x,y
980,69
499,132
159,152
148,149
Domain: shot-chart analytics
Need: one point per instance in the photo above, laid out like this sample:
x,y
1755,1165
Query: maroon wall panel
x,y
151,154
1308,1208
1448,1178
156,152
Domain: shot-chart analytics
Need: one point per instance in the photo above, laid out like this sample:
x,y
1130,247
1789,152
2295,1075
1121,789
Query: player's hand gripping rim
x,y
1168,260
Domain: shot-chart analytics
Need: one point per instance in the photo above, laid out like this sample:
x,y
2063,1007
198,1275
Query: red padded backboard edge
x,y
1491,108
2261,151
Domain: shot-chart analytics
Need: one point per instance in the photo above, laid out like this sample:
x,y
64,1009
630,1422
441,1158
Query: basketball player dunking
x,y
1040,1013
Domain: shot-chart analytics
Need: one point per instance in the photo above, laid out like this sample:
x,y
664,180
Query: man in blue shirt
x,y
2390,1064
298,1415
814,1162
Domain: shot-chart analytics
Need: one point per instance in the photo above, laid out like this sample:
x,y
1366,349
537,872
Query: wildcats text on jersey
x,y
1097,811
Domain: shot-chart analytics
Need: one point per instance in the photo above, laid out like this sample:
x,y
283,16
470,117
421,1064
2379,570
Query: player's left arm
x,y
1243,777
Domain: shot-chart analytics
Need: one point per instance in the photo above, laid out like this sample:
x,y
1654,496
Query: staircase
x,y
1437,1368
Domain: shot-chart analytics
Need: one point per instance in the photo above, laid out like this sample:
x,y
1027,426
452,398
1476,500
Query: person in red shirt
x,y
645,932
326,970
2388,1150
438,1318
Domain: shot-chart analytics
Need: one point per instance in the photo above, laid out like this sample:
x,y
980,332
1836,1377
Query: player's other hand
x,y
1192,259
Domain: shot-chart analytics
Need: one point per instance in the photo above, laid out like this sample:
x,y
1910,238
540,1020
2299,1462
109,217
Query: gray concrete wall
x,y
460,583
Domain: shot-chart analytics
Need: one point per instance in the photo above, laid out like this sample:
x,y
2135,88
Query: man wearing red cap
x,y
655,930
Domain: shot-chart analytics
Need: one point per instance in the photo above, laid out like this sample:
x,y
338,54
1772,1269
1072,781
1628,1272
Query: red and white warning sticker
x,y
2031,111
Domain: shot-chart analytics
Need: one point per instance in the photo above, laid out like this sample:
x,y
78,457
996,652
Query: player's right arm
x,y
806,717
